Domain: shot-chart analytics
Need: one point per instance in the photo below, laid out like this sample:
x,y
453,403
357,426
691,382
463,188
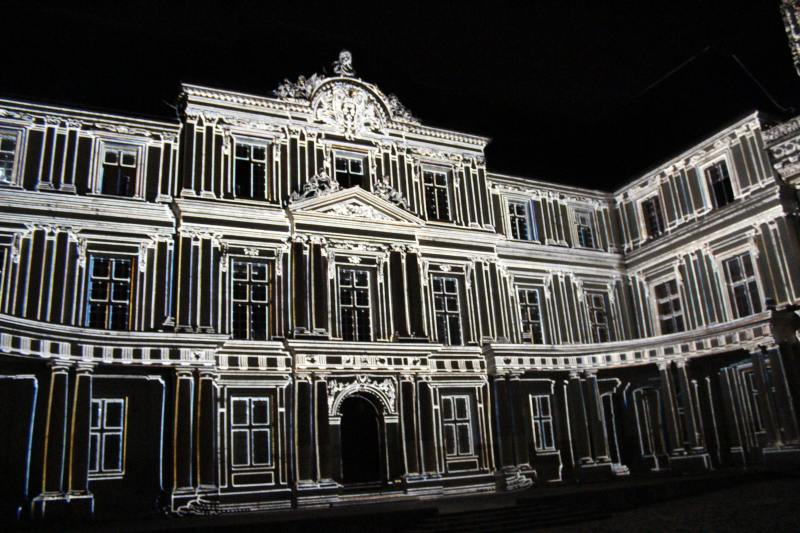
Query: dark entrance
x,y
361,441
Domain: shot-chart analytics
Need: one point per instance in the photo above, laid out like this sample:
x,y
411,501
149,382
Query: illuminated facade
x,y
314,298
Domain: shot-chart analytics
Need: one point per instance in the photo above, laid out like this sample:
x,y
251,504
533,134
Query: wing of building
x,y
312,297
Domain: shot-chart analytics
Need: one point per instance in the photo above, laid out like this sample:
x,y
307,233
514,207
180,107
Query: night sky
x,y
588,93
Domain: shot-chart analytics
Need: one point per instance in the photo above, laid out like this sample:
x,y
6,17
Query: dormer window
x,y
8,152
585,229
350,170
719,183
437,199
521,221
119,170
653,218
250,170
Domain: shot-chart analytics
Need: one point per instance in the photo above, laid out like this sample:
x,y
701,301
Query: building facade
x,y
313,298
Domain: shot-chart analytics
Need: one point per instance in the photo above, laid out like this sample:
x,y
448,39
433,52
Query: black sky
x,y
589,93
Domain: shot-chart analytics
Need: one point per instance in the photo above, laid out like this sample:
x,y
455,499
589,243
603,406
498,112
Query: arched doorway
x,y
361,440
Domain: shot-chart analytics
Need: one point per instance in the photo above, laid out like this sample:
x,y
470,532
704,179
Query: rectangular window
x,y
107,437
354,305
251,432
585,229
250,299
653,217
457,426
668,305
350,171
542,422
520,218
598,315
436,195
719,183
447,310
8,152
742,285
531,311
109,301
250,171
118,170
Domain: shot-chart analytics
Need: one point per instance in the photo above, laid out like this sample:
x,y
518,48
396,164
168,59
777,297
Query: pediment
x,y
355,204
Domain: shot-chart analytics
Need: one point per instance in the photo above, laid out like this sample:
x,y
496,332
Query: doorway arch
x,y
361,440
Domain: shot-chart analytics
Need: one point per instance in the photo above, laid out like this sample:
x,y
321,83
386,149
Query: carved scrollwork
x,y
348,108
320,184
358,210
384,189
339,389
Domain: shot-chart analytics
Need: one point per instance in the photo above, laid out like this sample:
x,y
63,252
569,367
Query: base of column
x,y
310,494
690,464
423,484
63,506
784,458
513,478
590,472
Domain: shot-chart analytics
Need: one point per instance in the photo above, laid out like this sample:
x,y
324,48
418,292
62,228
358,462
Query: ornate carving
x,y
384,189
358,210
320,184
348,108
399,111
354,259
384,390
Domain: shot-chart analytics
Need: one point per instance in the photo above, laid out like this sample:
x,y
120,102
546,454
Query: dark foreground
x,y
749,501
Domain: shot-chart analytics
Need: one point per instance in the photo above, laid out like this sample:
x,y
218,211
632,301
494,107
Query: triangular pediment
x,y
355,204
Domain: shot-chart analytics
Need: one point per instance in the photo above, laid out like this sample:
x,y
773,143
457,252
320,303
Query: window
x,y
350,171
585,228
118,171
8,151
653,218
108,305
719,183
542,421
354,304
436,195
447,309
457,426
742,285
250,299
522,226
598,316
107,437
250,171
251,433
531,312
668,305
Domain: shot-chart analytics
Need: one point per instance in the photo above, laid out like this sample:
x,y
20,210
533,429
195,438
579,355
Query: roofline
x,y
550,185
688,152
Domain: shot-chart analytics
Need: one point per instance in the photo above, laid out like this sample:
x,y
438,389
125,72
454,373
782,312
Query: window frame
x,y
447,313
97,435
250,428
88,301
100,147
354,305
16,161
539,421
654,197
711,200
350,155
656,302
251,141
541,309
593,325
589,213
269,283
447,173
456,422
730,295
532,231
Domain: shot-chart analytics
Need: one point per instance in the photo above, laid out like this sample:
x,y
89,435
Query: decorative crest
x,y
320,184
384,189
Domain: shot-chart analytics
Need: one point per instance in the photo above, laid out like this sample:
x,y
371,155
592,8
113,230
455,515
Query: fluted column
x,y
78,482
207,430
594,409
578,423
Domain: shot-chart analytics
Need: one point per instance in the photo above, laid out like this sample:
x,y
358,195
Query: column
x,y
304,429
505,439
670,410
765,406
690,410
578,423
427,423
323,441
182,437
594,409
207,430
520,425
783,397
408,419
78,482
